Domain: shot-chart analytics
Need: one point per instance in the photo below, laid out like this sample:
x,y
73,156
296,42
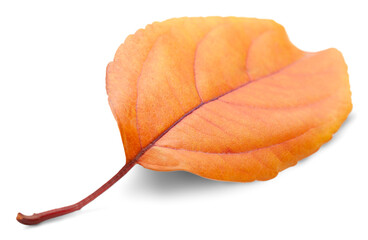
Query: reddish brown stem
x,y
40,217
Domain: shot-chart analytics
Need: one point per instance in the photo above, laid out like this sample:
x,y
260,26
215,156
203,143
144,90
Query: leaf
x,y
224,98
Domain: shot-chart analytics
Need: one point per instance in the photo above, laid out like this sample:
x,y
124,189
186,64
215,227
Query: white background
x,y
60,142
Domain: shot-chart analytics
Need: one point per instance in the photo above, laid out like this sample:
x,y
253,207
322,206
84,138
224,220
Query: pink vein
x,y
194,64
195,73
278,108
248,151
197,129
174,93
213,124
247,58
136,106
136,102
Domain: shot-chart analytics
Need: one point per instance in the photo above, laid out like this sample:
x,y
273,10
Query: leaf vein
x,y
234,153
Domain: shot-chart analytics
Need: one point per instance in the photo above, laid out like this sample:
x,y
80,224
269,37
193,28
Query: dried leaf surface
x,y
225,98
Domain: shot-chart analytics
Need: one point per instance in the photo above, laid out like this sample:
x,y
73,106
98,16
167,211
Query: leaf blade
x,y
288,95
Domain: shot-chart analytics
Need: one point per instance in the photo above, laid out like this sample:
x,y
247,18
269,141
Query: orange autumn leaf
x,y
225,98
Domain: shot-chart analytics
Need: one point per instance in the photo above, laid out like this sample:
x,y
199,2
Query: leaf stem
x,y
43,216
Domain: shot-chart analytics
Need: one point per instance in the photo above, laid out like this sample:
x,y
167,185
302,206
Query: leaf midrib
x,y
145,149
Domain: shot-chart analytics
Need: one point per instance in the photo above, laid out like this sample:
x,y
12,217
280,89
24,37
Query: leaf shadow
x,y
148,182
